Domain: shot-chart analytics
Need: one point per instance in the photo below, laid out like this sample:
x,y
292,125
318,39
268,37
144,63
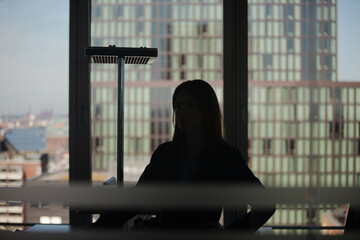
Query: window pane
x,y
317,131
188,36
34,94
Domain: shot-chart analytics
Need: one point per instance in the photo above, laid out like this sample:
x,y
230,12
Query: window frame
x,y
235,44
79,101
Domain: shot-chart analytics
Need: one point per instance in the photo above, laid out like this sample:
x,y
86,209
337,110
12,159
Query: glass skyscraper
x,y
304,125
189,40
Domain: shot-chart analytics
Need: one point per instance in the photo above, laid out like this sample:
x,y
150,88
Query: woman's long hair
x,y
203,94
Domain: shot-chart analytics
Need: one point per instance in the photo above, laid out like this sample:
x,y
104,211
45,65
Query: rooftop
x,y
27,139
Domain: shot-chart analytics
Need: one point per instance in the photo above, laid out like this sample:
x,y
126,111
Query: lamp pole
x,y
120,122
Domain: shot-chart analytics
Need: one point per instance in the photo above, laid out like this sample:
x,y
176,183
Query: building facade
x,y
304,125
13,173
189,40
303,122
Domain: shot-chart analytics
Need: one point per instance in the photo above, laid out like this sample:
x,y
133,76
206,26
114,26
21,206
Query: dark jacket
x,y
217,164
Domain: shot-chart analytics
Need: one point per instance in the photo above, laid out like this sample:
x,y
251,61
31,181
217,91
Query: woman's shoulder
x,y
230,152
226,148
165,146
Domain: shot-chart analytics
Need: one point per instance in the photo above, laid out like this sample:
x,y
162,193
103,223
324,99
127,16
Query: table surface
x,y
52,228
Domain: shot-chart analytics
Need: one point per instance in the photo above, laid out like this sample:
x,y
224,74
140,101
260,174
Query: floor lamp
x,y
121,56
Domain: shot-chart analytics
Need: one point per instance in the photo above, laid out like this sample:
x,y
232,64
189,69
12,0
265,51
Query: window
x,y
182,75
112,12
97,111
283,7
326,28
290,28
290,11
336,129
326,62
315,111
290,44
140,27
202,28
50,220
182,60
268,10
140,11
326,45
39,205
266,146
119,11
97,145
314,123
34,92
146,138
290,146
268,61
189,41
337,95
98,12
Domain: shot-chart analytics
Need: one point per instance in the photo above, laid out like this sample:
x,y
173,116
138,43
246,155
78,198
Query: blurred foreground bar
x,y
175,196
173,235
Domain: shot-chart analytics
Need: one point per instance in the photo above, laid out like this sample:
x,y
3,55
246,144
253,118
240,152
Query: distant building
x,y
57,143
48,212
18,164
335,218
52,212
12,212
22,156
13,173
26,140
304,124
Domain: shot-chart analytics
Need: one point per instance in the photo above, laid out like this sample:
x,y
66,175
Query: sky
x,y
34,50
34,53
348,40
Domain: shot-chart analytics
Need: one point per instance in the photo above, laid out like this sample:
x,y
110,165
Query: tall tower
x,y
303,130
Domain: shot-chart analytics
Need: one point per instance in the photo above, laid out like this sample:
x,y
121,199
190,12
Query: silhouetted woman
x,y
198,154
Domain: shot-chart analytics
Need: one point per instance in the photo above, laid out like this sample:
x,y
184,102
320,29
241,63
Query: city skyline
x,y
39,31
